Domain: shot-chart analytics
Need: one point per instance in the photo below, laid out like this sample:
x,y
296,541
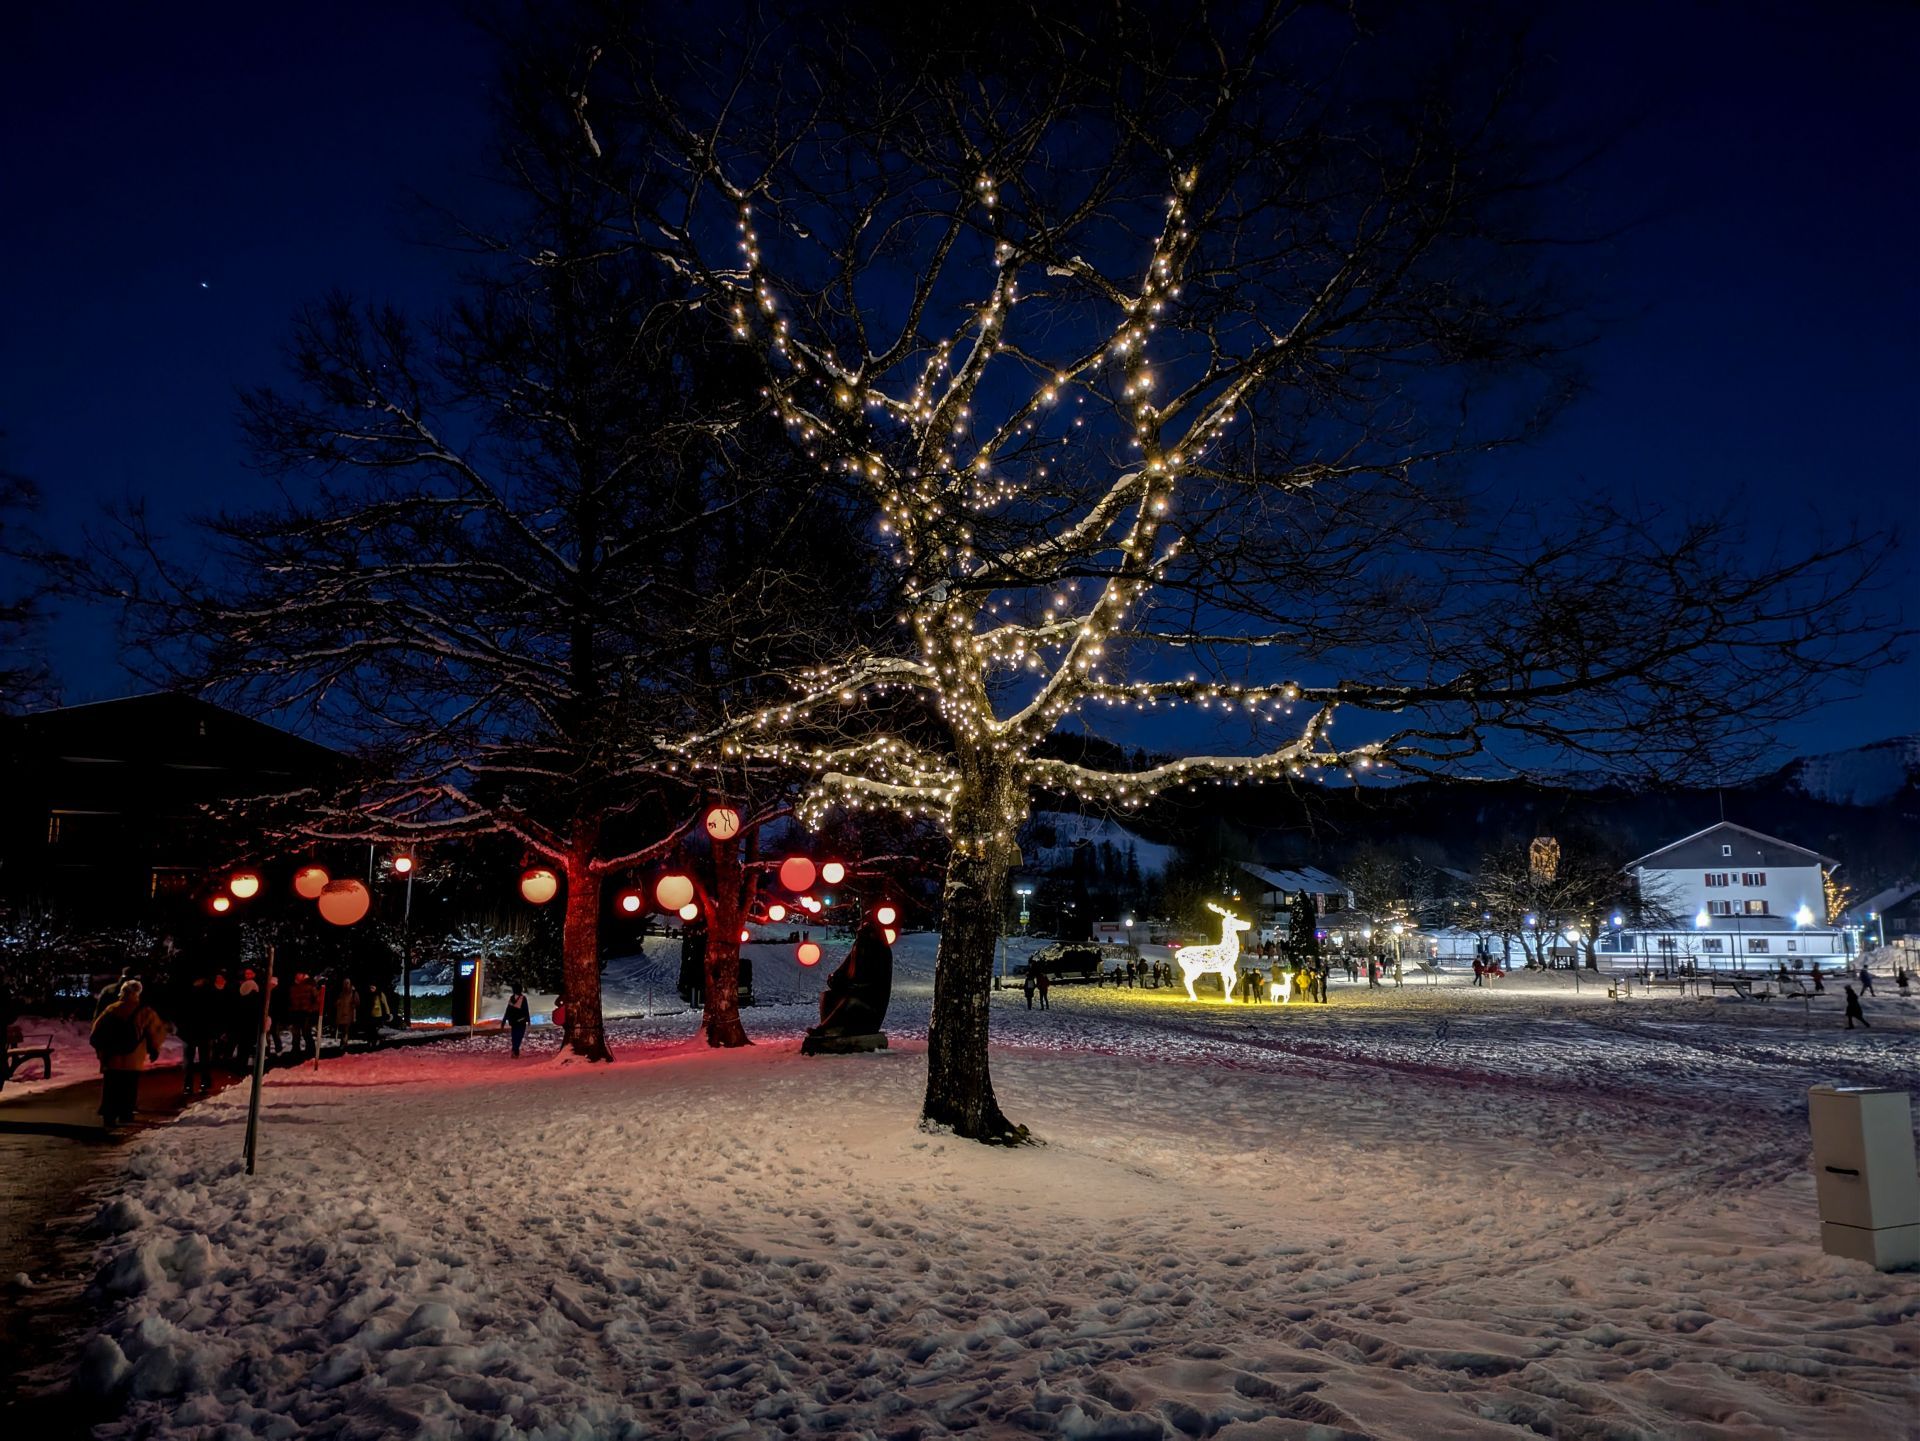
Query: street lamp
x,y
1397,929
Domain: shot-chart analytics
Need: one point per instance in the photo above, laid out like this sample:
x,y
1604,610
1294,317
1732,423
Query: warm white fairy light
x,y
935,466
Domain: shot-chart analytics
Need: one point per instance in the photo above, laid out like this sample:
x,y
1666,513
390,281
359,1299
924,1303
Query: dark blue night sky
x,y
178,179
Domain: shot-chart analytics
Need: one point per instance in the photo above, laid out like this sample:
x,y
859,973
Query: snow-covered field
x,y
1436,1213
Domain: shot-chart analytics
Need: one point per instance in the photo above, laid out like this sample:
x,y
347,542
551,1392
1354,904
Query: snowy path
x,y
1566,1219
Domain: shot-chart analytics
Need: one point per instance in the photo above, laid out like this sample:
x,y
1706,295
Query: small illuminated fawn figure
x,y
1222,960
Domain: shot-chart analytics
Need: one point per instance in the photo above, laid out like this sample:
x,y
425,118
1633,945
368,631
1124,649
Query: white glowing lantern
x,y
796,873
776,912
539,885
723,823
343,903
245,885
744,938
886,915
402,865
808,954
630,902
891,934
833,873
810,905
689,912
221,903
673,891
309,881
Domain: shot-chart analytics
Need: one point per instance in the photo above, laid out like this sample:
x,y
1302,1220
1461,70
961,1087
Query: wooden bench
x,y
1739,985
23,1054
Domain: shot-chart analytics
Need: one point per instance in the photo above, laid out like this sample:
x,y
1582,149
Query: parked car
x,y
1073,960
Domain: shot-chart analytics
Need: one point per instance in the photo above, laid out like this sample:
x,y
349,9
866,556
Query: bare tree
x,y
1158,341
25,679
516,551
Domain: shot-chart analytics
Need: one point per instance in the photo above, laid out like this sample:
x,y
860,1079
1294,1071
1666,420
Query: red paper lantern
x,y
539,885
245,885
673,891
886,915
808,954
309,881
796,873
344,902
833,873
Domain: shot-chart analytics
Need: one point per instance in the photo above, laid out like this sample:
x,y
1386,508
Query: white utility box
x,y
1863,1170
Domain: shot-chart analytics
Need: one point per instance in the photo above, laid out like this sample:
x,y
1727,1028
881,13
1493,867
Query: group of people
x,y
217,1017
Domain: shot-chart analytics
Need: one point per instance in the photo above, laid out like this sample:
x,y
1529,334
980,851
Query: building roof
x,y
1690,851
1879,903
1306,878
185,743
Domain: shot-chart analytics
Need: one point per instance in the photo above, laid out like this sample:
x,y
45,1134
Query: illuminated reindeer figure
x,y
1222,960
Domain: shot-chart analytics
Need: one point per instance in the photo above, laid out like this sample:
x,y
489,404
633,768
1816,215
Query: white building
x,y
1731,897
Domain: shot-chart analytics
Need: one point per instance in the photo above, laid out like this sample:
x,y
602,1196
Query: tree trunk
x,y
721,1018
959,1084
580,959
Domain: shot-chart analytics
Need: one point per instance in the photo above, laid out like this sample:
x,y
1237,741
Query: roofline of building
x,y
1745,830
190,699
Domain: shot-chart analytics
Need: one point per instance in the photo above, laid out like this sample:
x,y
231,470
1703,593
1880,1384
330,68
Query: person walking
x,y
127,1036
220,1015
276,1013
518,1015
377,1011
1866,980
1045,983
1028,985
346,1011
559,1016
303,1013
1854,1013
110,991
1819,985
198,1025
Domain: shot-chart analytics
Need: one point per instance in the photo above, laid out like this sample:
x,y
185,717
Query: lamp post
x,y
1880,926
1397,929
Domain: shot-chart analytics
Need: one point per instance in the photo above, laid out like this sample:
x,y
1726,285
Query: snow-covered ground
x,y
1441,1212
